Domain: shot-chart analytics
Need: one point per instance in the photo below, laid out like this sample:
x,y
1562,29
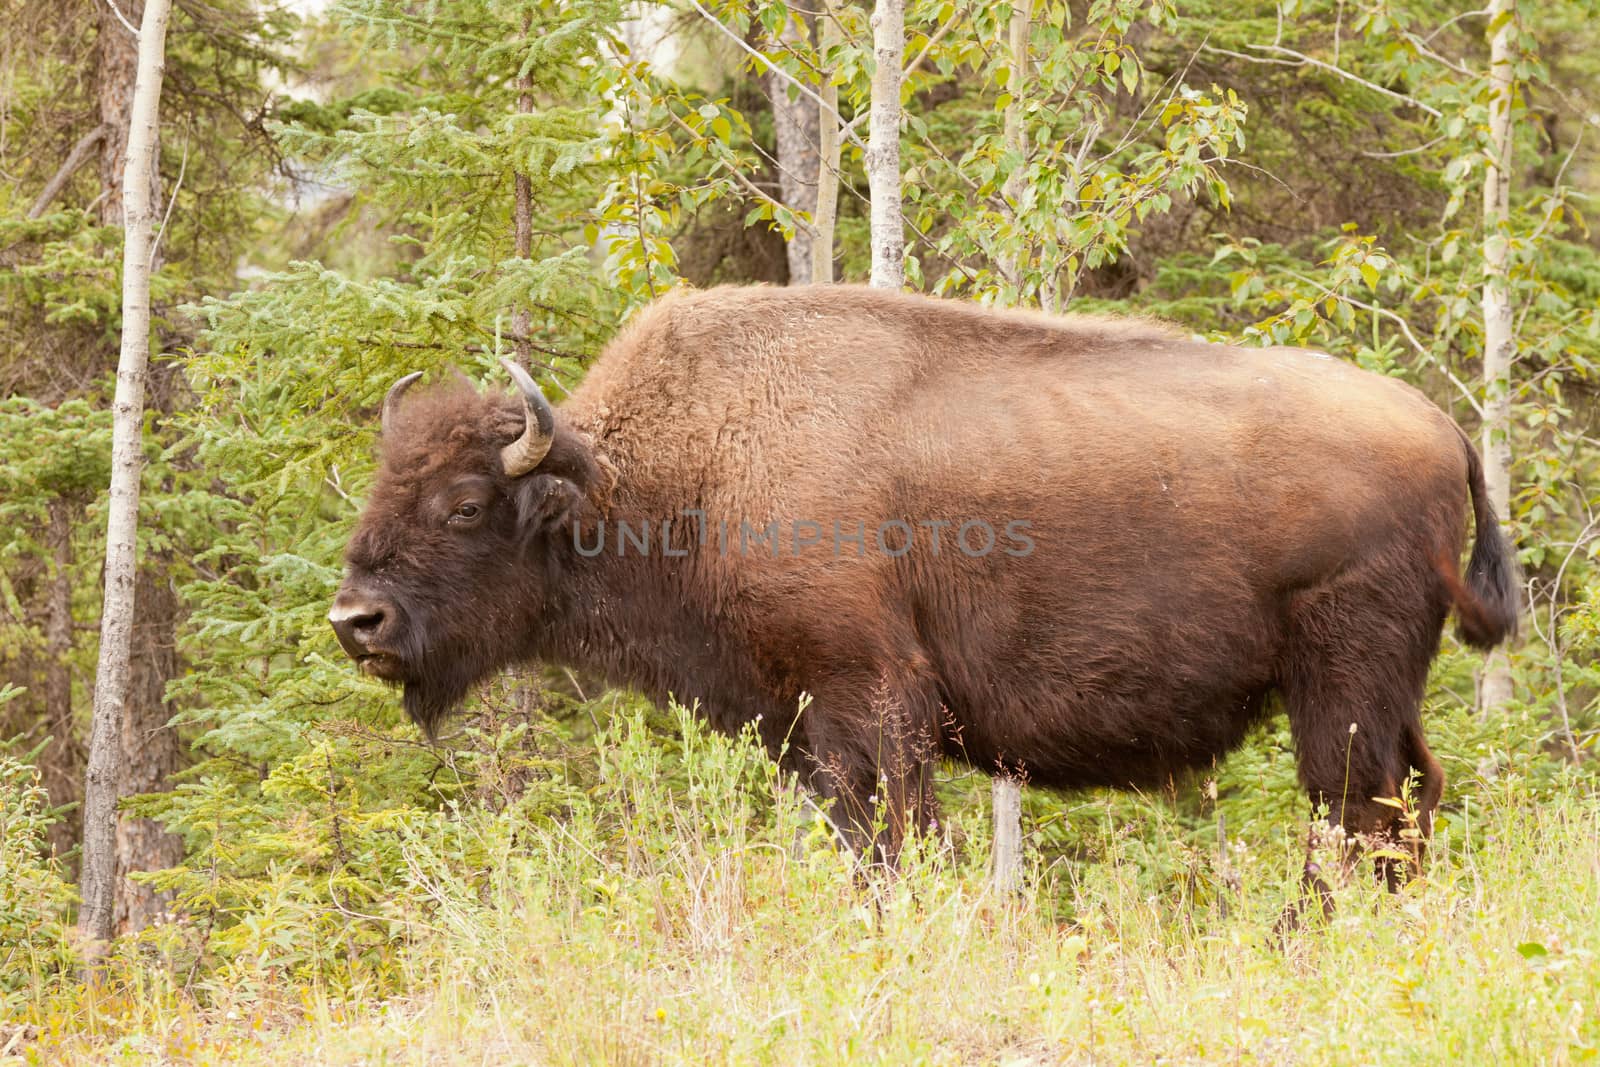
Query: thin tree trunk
x,y
522,227
151,748
1007,791
526,691
796,129
150,751
116,68
62,767
1499,340
883,146
1011,262
1007,812
98,886
828,142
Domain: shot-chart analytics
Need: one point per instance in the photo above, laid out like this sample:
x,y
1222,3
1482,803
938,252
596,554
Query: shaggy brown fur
x,y
1209,525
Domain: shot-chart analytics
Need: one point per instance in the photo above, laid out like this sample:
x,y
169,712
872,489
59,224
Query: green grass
x,y
686,908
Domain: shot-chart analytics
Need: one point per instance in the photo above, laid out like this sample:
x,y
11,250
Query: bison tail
x,y
1486,602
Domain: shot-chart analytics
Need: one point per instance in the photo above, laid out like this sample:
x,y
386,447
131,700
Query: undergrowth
x,y
671,898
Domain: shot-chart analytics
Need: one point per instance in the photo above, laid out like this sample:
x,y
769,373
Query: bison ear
x,y
546,504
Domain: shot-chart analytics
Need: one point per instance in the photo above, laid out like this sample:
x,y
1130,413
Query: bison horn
x,y
525,453
391,402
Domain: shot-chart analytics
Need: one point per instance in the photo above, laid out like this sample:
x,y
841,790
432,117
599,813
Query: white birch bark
x,y
796,130
1010,261
1006,810
98,881
883,145
1006,871
1499,340
828,144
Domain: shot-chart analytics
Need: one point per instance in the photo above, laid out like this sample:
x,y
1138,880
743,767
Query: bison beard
x,y
436,673
1211,526
435,681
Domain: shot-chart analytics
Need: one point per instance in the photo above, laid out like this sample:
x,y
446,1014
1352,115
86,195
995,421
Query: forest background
x,y
353,191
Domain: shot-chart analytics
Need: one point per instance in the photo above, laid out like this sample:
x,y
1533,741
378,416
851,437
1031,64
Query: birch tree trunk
x,y
1499,340
795,124
828,142
150,753
98,881
1006,792
883,145
1006,796
1011,261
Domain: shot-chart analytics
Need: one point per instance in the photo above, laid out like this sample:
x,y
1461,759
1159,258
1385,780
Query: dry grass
x,y
686,928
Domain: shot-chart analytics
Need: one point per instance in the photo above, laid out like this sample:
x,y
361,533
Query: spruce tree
x,y
473,165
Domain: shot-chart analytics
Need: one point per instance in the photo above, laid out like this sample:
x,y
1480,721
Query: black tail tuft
x,y
1486,603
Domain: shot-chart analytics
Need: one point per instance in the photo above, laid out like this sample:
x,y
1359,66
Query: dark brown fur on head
x,y
465,591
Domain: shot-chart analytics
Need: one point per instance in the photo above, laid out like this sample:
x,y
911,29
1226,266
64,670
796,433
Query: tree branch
x,y
749,186
779,71
117,11
434,346
183,168
1300,59
1404,151
75,159
1405,330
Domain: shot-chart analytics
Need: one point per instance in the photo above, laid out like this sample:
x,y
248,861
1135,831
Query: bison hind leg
x,y
1354,681
1367,795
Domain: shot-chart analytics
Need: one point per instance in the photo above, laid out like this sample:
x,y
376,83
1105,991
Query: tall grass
x,y
686,906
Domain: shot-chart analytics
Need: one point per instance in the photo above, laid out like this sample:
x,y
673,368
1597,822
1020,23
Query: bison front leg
x,y
871,748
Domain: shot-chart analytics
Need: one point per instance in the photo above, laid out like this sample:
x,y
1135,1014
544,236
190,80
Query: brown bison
x,y
1080,550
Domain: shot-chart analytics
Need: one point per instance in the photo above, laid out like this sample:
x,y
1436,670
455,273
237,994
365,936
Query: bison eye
x,y
465,514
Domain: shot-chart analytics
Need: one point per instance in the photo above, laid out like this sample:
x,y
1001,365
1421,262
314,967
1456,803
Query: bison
x,y
1076,549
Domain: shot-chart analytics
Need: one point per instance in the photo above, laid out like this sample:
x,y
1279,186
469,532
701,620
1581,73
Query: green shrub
x,y
34,898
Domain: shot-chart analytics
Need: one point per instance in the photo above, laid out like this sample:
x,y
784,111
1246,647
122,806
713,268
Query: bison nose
x,y
356,620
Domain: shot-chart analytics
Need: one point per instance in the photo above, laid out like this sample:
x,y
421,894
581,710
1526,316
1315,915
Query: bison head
x,y
456,560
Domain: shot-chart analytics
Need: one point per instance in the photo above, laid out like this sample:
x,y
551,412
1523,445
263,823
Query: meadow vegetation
x,y
659,894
